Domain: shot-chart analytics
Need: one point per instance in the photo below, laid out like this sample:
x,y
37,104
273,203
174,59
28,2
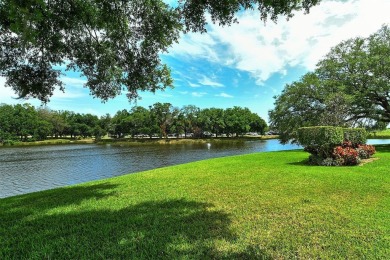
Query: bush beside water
x,y
335,146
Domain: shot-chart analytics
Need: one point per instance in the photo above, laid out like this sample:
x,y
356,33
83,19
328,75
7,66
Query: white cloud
x,y
198,94
224,95
7,95
195,45
58,94
74,89
206,81
192,85
302,41
74,82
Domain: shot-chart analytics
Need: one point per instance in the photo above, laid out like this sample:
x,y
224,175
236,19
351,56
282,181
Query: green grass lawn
x,y
384,134
257,206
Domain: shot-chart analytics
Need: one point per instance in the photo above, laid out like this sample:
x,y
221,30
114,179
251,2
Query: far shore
x,y
158,141
140,141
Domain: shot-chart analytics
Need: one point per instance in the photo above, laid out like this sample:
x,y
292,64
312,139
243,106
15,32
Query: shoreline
x,y
140,141
152,141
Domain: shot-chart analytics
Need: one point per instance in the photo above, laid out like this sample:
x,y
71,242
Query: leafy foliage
x,y
114,43
111,51
320,140
357,136
320,135
360,66
350,87
306,103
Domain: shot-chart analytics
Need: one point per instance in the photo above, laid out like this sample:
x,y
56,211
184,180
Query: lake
x,y
36,168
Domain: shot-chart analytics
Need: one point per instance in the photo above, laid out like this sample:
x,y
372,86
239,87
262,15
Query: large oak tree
x,y
360,68
115,44
351,85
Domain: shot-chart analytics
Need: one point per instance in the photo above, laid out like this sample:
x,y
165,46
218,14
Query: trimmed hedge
x,y
357,136
320,136
320,140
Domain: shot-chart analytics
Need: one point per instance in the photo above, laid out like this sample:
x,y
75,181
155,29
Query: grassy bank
x,y
385,134
265,205
140,141
173,141
156,141
50,142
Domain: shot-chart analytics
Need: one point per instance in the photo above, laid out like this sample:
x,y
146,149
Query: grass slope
x,y
384,134
257,206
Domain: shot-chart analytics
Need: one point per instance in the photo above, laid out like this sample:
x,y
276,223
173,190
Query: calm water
x,y
29,169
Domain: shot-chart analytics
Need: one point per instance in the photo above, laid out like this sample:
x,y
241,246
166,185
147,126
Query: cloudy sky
x,y
242,65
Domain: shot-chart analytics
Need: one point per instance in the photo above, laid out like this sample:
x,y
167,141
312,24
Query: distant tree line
x,y
26,123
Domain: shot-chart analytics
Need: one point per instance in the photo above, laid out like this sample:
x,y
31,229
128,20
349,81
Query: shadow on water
x,y
34,227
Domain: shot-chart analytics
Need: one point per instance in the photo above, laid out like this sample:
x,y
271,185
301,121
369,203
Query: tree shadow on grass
x,y
168,229
29,204
304,162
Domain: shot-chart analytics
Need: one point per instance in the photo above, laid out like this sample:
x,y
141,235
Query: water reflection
x,y
29,169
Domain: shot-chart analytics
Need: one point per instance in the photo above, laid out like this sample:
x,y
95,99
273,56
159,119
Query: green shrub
x,y
315,159
357,136
320,140
320,136
9,142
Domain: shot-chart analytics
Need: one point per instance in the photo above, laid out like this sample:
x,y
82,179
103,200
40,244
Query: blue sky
x,y
244,65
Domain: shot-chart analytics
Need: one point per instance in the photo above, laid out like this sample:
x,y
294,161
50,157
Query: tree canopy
x,y
350,86
360,68
115,44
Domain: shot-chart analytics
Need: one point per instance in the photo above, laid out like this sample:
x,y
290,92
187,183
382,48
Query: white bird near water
x,y
208,146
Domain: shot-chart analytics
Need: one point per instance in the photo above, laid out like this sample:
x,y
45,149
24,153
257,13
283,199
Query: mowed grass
x,y
257,206
384,134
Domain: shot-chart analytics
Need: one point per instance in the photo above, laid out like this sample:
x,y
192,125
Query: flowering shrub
x,y
362,153
349,155
366,151
326,146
